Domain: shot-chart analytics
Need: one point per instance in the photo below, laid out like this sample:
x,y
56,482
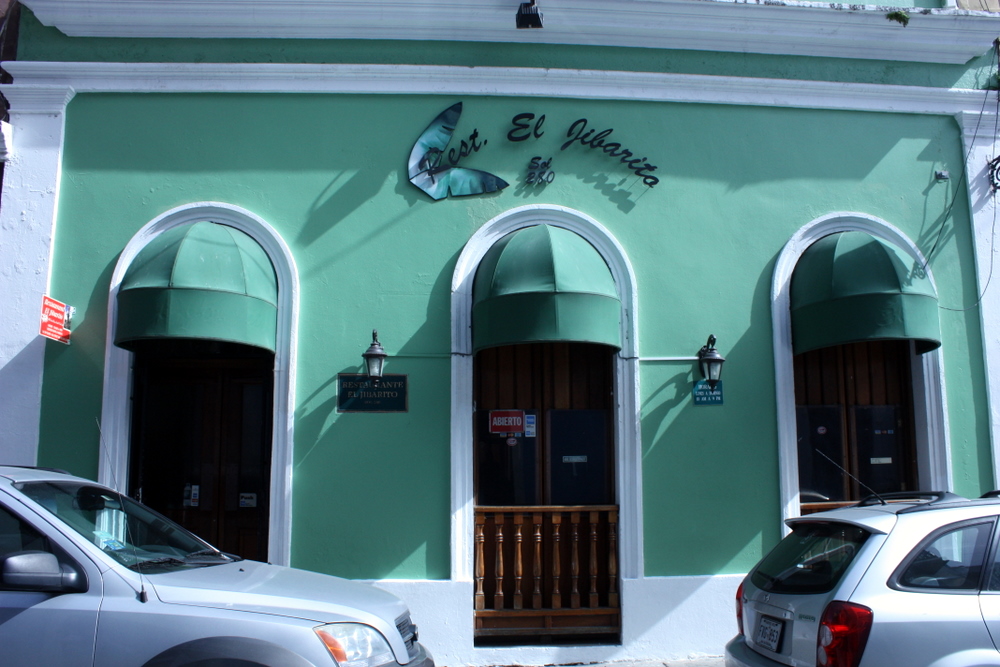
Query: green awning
x,y
200,281
543,284
852,287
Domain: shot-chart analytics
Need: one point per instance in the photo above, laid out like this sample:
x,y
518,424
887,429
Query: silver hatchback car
x,y
902,579
91,578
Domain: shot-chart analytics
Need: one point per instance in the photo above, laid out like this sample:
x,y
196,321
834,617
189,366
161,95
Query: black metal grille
x,y
409,633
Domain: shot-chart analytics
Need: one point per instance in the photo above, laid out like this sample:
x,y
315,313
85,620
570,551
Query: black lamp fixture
x,y
528,15
375,358
710,362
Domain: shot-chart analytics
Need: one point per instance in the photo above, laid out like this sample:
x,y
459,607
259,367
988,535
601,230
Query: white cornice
x,y
33,79
39,99
778,27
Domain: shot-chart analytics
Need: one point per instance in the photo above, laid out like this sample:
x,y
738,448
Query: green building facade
x,y
544,227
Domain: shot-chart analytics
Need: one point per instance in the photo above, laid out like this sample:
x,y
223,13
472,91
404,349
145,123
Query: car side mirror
x,y
39,571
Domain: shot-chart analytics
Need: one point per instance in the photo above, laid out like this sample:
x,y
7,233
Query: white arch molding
x,y
627,426
117,407
930,415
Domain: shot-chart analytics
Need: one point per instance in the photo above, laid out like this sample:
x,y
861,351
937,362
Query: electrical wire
x,y
951,206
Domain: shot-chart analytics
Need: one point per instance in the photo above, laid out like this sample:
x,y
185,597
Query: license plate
x,y
769,633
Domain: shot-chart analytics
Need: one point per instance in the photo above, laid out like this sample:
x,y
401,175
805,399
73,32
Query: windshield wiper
x,y
166,560
205,552
213,553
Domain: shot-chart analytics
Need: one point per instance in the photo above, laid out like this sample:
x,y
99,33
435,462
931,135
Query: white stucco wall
x,y
663,618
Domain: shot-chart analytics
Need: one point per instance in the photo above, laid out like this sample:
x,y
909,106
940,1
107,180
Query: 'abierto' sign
x,y
506,421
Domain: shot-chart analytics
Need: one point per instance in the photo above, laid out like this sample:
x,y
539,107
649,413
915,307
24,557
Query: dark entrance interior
x,y
854,409
201,439
546,556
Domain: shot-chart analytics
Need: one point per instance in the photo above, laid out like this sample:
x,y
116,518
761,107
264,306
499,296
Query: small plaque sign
x,y
529,426
357,392
703,395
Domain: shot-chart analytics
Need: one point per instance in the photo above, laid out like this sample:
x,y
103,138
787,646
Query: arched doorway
x,y
625,384
860,379
116,413
861,309
546,326
197,307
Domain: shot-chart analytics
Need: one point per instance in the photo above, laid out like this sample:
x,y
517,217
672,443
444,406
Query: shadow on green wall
x,y
372,491
69,435
710,473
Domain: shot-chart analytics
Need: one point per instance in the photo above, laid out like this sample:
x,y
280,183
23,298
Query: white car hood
x,y
272,589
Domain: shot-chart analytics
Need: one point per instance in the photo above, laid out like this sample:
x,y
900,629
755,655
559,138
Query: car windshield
x,y
812,559
134,535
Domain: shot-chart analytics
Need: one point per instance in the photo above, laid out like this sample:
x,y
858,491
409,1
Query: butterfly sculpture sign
x,y
426,168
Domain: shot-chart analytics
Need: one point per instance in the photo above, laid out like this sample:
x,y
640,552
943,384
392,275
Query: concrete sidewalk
x,y
714,661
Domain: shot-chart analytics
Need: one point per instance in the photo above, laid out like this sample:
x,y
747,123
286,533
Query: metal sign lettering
x,y
434,168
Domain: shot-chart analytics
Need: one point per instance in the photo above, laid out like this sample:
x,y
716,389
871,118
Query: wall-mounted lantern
x,y
374,358
710,362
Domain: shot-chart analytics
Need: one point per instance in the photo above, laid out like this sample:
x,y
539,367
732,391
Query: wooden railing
x,y
546,559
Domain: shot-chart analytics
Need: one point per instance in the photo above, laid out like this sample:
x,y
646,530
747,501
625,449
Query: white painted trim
x,y
929,395
6,140
44,99
779,27
627,425
982,144
28,215
667,621
116,415
493,81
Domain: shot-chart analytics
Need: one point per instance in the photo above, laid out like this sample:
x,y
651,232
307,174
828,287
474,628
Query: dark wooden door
x,y
201,445
546,519
854,411
568,389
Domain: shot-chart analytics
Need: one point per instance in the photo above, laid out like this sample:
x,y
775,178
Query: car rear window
x,y
812,559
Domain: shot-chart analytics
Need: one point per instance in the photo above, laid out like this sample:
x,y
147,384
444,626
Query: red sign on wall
x,y
506,421
54,320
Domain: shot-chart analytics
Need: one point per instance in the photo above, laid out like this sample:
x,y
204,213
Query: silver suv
x,y
899,579
90,577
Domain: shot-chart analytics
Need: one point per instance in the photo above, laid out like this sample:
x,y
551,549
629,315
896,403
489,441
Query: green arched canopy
x,y
852,287
544,284
202,281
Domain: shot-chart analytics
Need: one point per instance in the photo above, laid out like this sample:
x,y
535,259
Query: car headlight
x,y
355,645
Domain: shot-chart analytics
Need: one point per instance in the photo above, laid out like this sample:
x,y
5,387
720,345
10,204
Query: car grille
x,y
409,633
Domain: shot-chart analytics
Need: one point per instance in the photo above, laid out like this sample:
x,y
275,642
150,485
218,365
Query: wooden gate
x,y
547,571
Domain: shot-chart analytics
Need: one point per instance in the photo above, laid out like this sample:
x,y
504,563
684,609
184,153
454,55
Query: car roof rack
x,y
924,498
